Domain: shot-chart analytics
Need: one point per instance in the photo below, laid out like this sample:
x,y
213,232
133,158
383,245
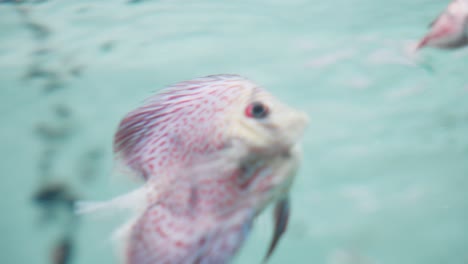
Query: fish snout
x,y
292,125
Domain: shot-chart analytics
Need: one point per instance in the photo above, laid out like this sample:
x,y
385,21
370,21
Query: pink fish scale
x,y
175,122
216,196
171,231
169,241
163,237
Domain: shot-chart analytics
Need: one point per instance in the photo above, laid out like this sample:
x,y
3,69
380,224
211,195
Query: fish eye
x,y
257,110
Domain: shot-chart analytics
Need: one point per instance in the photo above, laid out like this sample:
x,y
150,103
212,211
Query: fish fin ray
x,y
133,200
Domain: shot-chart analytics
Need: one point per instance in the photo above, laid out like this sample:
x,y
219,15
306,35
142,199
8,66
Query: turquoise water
x,y
385,171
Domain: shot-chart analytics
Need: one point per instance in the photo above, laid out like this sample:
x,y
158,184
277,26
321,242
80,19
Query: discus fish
x,y
450,29
212,152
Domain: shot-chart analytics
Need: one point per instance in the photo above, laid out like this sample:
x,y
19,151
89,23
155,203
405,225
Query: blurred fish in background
x,y
450,29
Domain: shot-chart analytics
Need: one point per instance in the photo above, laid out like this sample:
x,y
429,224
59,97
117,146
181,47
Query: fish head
x,y
262,123
269,132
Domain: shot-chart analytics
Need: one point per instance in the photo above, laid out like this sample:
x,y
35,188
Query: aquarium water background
x,y
384,177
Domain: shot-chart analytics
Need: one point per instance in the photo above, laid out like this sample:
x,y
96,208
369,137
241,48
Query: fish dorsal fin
x,y
175,125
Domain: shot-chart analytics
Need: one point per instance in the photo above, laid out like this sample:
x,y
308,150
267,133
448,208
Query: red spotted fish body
x,y
213,152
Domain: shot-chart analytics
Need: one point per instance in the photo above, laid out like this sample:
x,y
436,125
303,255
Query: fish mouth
x,y
286,132
293,126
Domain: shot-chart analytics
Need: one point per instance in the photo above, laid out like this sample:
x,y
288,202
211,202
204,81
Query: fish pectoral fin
x,y
130,201
281,215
